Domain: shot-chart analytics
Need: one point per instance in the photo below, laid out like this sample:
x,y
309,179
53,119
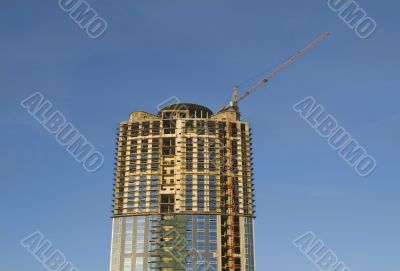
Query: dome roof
x,y
195,110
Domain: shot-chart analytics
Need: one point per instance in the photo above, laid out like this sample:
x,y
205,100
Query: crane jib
x,y
280,68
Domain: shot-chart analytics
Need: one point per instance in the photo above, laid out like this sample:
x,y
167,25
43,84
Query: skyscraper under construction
x,y
183,195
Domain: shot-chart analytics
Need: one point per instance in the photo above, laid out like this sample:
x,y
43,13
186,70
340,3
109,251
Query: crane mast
x,y
235,100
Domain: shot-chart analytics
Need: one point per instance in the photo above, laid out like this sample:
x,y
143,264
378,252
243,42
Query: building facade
x,y
183,194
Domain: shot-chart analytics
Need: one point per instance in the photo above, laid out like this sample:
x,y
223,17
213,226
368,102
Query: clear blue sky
x,y
197,51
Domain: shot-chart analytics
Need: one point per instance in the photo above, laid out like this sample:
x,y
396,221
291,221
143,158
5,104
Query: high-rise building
x,y
183,195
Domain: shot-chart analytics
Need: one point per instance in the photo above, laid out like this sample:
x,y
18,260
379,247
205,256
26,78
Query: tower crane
x,y
231,178
233,104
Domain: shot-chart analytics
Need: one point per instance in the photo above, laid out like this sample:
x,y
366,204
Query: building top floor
x,y
185,111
